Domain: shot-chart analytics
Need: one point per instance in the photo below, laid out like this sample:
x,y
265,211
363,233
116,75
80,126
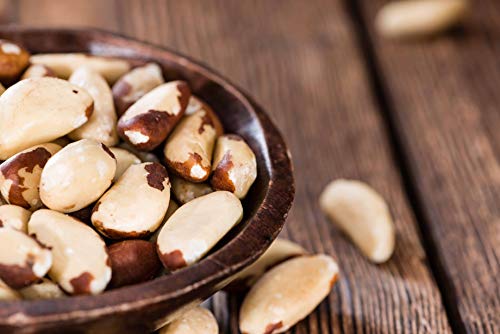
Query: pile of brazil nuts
x,y
87,144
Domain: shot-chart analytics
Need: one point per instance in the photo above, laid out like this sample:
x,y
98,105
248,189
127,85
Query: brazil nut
x,y
13,60
15,217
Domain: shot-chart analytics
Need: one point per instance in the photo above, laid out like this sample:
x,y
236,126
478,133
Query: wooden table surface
x,y
418,121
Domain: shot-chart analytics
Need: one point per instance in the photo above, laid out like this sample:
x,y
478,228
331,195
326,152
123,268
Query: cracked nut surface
x,y
188,150
77,176
196,227
234,165
81,263
13,60
287,293
197,320
136,204
135,84
23,260
20,175
15,217
149,121
361,213
29,108
419,18
64,64
102,124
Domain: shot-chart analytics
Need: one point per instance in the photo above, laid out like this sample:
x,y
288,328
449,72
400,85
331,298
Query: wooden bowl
x,y
145,307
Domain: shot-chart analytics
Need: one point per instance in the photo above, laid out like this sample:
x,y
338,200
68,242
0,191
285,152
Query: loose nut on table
x,y
189,148
64,64
13,60
185,191
363,215
77,175
195,321
196,227
135,84
234,165
13,216
279,251
419,18
23,260
136,204
148,122
81,263
44,289
287,293
20,175
28,110
102,124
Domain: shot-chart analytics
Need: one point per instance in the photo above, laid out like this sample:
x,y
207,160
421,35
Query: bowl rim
x,y
245,247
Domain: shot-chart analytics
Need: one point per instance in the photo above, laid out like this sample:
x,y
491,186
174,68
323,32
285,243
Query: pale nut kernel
x,y
44,289
7,293
102,124
197,320
136,204
80,260
280,251
172,207
132,262
287,293
37,71
185,191
13,216
64,64
419,18
148,122
188,150
13,60
361,213
196,227
23,260
124,159
135,84
39,110
234,166
144,156
77,176
20,175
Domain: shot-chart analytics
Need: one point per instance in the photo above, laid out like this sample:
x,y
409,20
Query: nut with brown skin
x,y
37,71
2,89
13,60
136,204
234,165
77,175
186,191
287,293
44,289
80,259
197,320
102,124
15,217
280,250
64,64
23,260
39,110
361,213
188,150
196,227
133,261
124,159
20,175
135,84
149,121
6,293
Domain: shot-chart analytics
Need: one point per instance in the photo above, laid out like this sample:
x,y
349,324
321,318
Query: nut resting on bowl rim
x,y
145,307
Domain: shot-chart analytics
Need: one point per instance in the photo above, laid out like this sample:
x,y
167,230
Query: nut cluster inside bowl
x,y
110,175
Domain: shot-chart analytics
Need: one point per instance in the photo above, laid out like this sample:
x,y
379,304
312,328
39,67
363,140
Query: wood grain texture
x,y
302,62
443,98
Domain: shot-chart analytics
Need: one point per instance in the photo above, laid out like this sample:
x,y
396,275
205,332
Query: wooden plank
x,y
443,94
301,61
